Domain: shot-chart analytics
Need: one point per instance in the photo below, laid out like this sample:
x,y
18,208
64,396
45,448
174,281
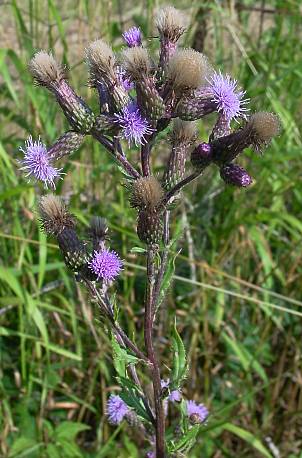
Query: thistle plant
x,y
141,96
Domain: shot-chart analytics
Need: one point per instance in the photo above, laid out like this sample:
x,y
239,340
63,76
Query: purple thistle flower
x,y
116,409
133,37
175,396
164,383
151,454
37,162
123,80
227,96
133,125
197,412
106,264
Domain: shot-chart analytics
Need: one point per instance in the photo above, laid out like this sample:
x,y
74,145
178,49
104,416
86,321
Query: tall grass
x,y
237,292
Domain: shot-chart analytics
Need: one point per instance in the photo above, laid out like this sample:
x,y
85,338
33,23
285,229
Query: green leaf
x,y
179,367
187,441
133,397
249,438
69,430
121,358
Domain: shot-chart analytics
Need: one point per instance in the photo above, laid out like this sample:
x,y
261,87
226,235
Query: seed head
x,y
170,23
184,132
136,62
188,69
147,193
54,215
45,69
263,126
101,61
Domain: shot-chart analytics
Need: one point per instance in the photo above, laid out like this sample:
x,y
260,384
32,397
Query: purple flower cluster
x,y
198,412
228,98
117,409
133,37
134,125
37,162
106,265
175,395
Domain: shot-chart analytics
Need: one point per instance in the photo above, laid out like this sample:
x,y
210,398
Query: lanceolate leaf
x,y
179,368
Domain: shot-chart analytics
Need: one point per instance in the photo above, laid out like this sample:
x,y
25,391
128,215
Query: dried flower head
x,y
263,126
101,62
133,37
188,69
117,409
54,215
228,98
106,264
146,193
183,132
37,162
45,69
136,62
235,175
197,413
170,23
134,126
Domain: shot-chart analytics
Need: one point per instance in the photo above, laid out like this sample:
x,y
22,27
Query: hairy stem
x,y
163,263
155,372
179,186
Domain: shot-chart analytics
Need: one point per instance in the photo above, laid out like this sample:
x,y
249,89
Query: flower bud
x,y
149,226
98,232
54,216
66,144
195,106
263,127
201,156
235,175
182,137
47,72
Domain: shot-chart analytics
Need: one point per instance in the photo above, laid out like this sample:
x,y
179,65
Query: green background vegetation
x,y
238,287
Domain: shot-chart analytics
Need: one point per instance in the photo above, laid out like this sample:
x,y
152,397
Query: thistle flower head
x,y
133,37
170,23
263,126
146,193
45,69
136,62
183,132
235,175
134,126
123,80
37,162
106,264
101,61
117,409
54,215
188,69
175,396
229,99
197,413
98,228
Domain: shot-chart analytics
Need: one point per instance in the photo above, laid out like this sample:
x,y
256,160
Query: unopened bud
x,y
235,175
149,227
201,156
66,144
146,193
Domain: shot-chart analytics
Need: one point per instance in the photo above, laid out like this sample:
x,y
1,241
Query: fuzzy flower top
x,y
229,99
116,409
133,37
134,126
106,265
37,163
198,411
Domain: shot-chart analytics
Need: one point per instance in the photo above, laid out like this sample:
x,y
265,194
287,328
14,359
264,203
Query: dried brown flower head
x,y
263,126
170,23
45,69
54,215
146,193
183,132
136,62
101,61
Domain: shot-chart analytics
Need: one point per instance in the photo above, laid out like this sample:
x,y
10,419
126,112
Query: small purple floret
x,y
199,411
106,265
151,454
123,80
134,125
37,163
116,409
133,37
175,396
229,99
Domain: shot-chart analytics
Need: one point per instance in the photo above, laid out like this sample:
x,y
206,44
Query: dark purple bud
x,y
235,175
201,156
